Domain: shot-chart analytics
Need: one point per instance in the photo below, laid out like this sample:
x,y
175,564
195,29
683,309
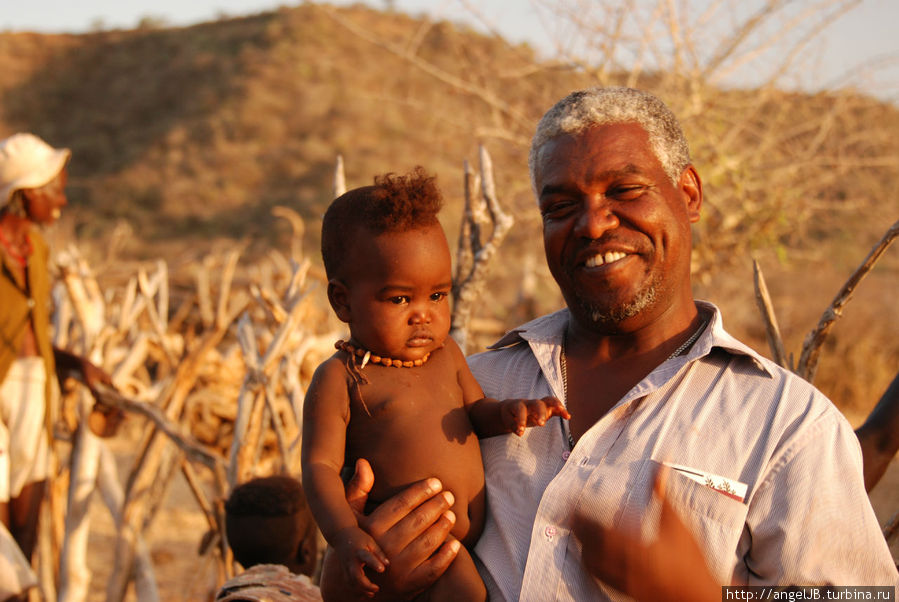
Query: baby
x,y
399,392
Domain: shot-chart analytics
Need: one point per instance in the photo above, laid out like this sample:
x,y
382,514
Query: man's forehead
x,y
621,148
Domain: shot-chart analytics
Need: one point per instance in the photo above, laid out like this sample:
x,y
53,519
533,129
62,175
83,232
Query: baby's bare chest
x,y
411,426
399,395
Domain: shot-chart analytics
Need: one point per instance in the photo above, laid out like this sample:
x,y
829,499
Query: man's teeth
x,y
601,259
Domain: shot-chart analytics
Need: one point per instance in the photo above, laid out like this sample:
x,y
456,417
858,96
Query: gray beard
x,y
612,316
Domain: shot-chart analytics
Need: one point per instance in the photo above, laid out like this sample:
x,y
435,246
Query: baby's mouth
x,y
420,339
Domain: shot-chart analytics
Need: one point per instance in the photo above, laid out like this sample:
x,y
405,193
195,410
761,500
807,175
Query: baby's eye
x,y
435,297
399,300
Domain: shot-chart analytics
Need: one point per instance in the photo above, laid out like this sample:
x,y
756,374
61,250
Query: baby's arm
x,y
491,417
325,418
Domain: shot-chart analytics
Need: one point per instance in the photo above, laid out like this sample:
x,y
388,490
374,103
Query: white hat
x,y
26,161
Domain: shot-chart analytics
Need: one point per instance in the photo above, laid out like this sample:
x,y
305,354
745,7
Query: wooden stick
x,y
811,347
204,293
469,287
145,473
114,496
252,438
297,227
193,482
339,177
891,528
194,450
74,573
772,330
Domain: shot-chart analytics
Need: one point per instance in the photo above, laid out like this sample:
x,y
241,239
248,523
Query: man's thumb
x,y
359,486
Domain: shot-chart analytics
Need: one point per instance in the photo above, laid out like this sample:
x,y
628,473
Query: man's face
x,y
395,295
616,231
43,205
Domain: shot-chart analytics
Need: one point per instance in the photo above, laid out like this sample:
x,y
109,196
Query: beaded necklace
x,y
355,370
19,256
368,356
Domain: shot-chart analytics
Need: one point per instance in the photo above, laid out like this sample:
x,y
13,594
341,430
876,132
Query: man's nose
x,y
597,217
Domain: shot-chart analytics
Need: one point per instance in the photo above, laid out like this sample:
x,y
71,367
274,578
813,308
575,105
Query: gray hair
x,y
600,106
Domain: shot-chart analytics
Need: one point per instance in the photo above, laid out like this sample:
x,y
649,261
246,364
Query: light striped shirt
x,y
720,409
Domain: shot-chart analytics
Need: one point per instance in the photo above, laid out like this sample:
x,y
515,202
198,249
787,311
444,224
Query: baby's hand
x,y
356,549
518,414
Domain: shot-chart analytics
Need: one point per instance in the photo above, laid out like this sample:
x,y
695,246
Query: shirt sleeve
x,y
810,521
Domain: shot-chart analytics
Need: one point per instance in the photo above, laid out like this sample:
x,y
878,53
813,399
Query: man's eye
x,y
556,209
438,296
399,300
627,193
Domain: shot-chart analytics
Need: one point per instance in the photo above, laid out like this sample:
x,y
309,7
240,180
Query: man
x,y
32,193
764,471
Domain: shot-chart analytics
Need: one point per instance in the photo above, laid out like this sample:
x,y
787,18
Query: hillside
x,y
198,132
191,136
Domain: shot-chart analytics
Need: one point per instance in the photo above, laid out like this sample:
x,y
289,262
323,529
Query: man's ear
x,y
691,186
338,297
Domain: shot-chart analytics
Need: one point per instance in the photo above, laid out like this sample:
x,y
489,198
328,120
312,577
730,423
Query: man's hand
x,y
104,420
518,414
412,529
672,567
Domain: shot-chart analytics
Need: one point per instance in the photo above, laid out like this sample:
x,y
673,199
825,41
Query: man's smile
x,y
604,258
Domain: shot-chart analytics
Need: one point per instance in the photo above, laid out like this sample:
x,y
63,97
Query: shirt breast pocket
x,y
715,519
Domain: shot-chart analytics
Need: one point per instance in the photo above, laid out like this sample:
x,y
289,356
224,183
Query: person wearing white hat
x,y
33,177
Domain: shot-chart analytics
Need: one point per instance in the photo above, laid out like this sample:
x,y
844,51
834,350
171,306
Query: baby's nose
x,y
420,316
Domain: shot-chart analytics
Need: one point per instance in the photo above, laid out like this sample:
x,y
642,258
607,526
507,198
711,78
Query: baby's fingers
x,y
517,413
373,557
554,407
363,583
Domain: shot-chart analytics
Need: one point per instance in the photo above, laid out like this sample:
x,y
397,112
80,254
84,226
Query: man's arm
x,y
104,420
411,527
810,519
879,435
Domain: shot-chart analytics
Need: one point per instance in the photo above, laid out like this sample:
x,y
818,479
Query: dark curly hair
x,y
277,495
267,521
393,204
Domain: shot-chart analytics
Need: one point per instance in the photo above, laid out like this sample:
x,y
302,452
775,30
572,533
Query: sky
x,y
865,37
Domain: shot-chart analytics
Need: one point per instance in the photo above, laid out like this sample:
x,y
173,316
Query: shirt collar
x,y
548,329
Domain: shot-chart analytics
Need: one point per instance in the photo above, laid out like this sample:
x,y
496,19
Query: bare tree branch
x,y
772,330
481,210
811,348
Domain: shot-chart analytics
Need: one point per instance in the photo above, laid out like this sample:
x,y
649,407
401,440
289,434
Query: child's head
x,y
267,521
388,265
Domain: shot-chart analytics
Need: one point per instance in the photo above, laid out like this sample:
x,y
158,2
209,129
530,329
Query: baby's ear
x,y
338,297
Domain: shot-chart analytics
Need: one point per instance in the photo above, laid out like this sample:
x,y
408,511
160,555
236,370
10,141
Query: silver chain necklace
x,y
564,365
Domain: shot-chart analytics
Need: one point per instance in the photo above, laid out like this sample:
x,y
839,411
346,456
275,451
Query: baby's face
x,y
398,292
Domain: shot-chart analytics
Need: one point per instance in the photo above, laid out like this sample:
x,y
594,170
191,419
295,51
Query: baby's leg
x,y
460,582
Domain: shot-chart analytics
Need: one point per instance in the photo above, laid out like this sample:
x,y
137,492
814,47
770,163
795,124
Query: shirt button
x,y
30,302
565,455
550,532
